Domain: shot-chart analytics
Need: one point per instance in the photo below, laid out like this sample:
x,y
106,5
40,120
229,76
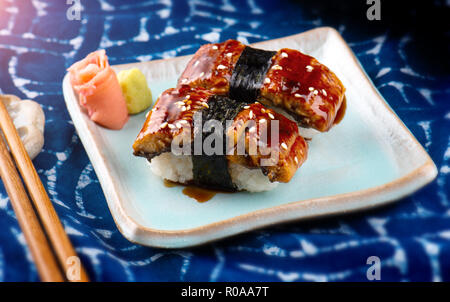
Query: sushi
x,y
196,136
286,79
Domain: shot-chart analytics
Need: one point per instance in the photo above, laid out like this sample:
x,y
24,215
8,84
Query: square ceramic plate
x,y
369,159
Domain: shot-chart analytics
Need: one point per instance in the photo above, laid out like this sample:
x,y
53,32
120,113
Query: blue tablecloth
x,y
407,61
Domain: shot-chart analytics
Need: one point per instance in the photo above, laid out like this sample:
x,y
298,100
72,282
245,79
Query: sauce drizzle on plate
x,y
197,193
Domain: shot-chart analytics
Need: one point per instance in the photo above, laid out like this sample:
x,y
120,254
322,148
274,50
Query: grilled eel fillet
x,y
172,118
295,82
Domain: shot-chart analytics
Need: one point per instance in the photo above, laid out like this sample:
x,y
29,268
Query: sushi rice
x,y
178,168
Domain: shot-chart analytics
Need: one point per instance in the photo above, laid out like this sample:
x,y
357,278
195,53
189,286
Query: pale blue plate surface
x,y
370,158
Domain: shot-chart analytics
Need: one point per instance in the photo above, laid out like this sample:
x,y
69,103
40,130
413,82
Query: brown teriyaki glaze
x,y
170,184
173,112
295,82
255,123
199,194
195,192
341,112
305,87
212,65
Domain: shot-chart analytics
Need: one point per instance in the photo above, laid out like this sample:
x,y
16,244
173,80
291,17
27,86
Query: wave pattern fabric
x,y
410,68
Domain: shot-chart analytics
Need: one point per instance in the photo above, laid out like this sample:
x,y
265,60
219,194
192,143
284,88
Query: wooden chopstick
x,y
41,251
47,214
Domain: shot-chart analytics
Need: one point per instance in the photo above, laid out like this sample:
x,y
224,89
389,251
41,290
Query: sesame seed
x,y
277,67
324,92
201,74
188,107
284,146
205,105
183,108
184,81
271,115
246,107
163,125
311,88
298,95
229,54
284,55
196,63
215,47
263,120
263,110
251,114
178,125
309,68
296,160
171,126
266,80
316,92
220,67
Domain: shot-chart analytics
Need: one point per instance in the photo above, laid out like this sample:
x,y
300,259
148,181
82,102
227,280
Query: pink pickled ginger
x,y
99,91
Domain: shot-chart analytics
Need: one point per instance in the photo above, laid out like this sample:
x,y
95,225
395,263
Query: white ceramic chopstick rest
x,y
29,119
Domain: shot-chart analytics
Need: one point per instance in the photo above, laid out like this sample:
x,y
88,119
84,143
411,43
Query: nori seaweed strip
x,y
249,72
211,171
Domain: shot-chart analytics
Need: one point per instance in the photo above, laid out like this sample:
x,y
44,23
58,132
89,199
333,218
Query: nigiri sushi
x,y
251,147
286,79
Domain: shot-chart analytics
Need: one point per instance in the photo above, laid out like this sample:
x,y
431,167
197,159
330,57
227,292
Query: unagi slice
x,y
305,88
175,112
172,113
286,79
212,66
280,157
